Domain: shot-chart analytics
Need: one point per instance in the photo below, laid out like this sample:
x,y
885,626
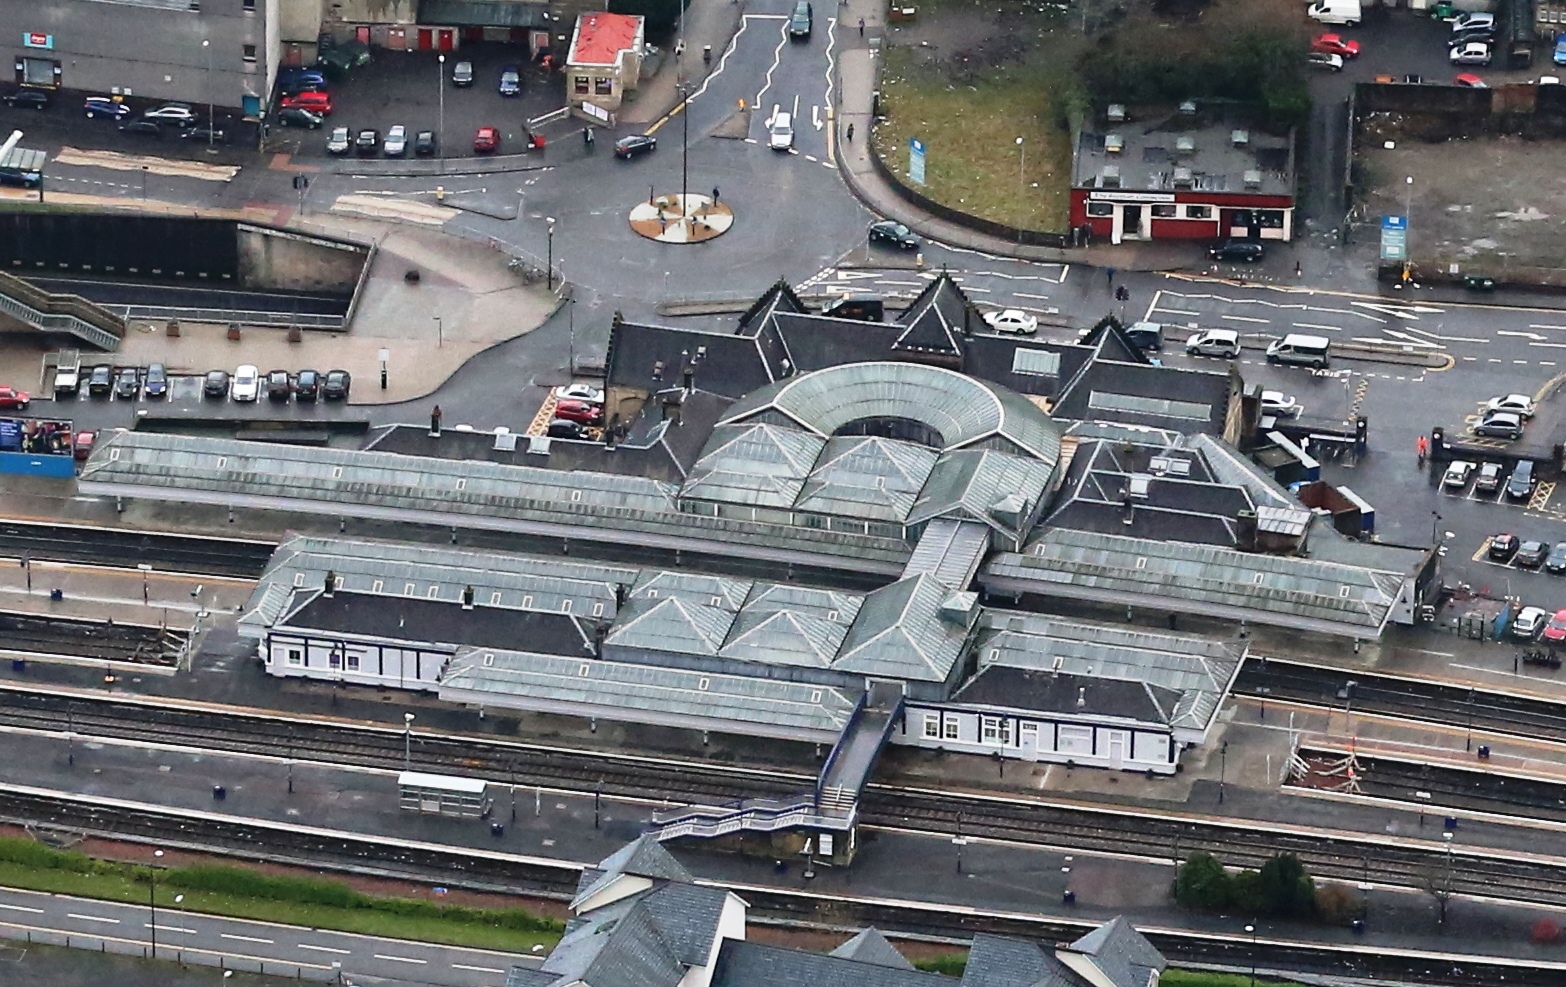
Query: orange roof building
x,y
605,60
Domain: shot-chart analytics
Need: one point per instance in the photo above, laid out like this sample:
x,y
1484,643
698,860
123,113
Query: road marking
x,y
1023,294
168,928
22,908
1243,318
399,959
92,918
225,935
1176,311
1316,325
324,949
1546,326
476,969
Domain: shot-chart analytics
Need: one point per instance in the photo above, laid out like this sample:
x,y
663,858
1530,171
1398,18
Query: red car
x,y
580,412
11,398
1333,44
83,445
314,102
487,140
1555,630
1469,81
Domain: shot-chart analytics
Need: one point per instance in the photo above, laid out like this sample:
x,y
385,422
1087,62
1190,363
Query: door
x,y
1117,749
362,35
1131,223
426,39
448,39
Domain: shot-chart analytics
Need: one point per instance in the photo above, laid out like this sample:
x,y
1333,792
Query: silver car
x,y
396,142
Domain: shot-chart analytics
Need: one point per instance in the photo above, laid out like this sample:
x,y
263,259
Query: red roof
x,y
600,37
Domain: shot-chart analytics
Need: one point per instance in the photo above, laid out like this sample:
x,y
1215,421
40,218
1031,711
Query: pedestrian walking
x,y
1422,447
1299,271
1122,293
861,27
850,133
1109,277
715,195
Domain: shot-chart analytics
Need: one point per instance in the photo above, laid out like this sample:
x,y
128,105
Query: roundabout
x,y
681,218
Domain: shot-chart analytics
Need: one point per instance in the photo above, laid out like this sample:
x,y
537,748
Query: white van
x,y
1309,351
1345,12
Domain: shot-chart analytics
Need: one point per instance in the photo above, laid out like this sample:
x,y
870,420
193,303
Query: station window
x,y
1100,209
950,727
1271,219
353,663
579,84
295,656
250,6
603,87
932,726
990,729
1164,210
494,598
1198,212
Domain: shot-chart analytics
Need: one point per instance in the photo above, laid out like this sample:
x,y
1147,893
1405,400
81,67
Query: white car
x,y
1517,404
1473,21
1278,404
780,133
1530,621
1223,343
396,142
579,392
247,383
1325,60
1012,320
1457,474
1473,53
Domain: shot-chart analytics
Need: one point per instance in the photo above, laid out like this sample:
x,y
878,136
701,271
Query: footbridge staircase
x,y
71,315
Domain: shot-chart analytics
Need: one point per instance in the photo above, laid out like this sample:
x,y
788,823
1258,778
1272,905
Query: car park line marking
x,y
21,908
811,157
1316,325
1522,335
1550,346
1245,318
399,959
324,949
1024,294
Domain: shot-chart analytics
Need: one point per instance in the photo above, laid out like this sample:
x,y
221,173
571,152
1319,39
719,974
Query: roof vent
x,y
1114,143
960,608
1116,113
1253,178
1137,485
1109,177
538,445
1009,510
1239,138
467,597
1188,108
1081,696
1182,178
1185,145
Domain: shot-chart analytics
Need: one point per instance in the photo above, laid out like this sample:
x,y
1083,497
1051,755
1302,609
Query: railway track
x,y
90,545
1409,699
486,870
1437,787
137,644
1065,825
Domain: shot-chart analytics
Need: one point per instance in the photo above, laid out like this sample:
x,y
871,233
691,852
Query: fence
x,y
318,973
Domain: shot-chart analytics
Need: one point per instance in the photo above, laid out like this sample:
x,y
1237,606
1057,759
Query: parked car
x,y
1477,35
12,399
780,132
1323,60
396,142
1457,474
893,233
179,114
1520,485
1245,251
1500,425
1335,44
315,102
300,73
580,392
157,383
293,116
1471,53
1555,630
1502,547
294,85
580,411
1279,405
1467,80
1556,561
1224,343
486,140
341,141
635,145
801,20
247,383
560,428
1469,20
336,385
127,383
101,381
1489,481
81,447
1148,336
1531,554
279,387
215,385
307,385
1517,404
425,144
105,106
1013,320
367,143
203,132
1528,623
462,75
510,81
1559,55
28,99
141,128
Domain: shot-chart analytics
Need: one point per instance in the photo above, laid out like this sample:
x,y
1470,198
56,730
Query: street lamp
x,y
1223,768
407,741
1408,225
440,333
549,262
1022,184
152,900
1468,741
685,145
206,43
440,87
1251,931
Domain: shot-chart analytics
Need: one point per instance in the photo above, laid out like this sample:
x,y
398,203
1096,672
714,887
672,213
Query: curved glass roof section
x,y
964,410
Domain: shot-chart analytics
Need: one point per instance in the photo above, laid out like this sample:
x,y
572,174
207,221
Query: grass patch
x,y
1174,977
969,102
951,964
240,892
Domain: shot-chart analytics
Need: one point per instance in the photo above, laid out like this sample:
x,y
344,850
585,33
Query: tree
x,y
1285,888
1439,883
1202,883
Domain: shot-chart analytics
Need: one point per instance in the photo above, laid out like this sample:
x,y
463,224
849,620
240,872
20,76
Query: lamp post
x,y
1022,184
549,262
206,43
440,333
407,741
685,144
440,127
1468,741
1408,225
152,900
1223,768
1251,931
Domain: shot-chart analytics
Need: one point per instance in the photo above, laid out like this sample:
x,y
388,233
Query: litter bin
x,y
1442,10
219,793
497,829
1478,282
1068,897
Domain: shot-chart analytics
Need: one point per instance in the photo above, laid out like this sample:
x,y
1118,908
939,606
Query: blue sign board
x,y
37,39
1394,238
916,160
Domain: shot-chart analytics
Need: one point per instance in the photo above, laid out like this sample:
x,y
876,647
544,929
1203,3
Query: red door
x,y
362,35
448,39
426,39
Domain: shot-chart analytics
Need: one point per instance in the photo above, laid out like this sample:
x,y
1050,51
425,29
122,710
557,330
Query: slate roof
x,y
1001,491
752,964
1047,692
900,631
1139,393
1121,952
870,946
399,618
724,592
937,320
997,962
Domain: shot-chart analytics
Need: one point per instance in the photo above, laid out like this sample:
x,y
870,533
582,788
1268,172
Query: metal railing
x,y
304,320
50,312
754,815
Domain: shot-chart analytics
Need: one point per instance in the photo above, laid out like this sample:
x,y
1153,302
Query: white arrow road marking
x,y
815,117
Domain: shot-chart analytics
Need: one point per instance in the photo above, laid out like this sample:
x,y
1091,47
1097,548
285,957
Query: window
x,y
494,598
1075,740
583,669
703,683
489,661
598,610
295,656
335,659
527,603
1100,209
376,586
1164,210
932,726
1198,212
250,53
250,6
950,726
1271,219
433,593
990,729
603,87
565,606
407,589
353,663
579,84
298,579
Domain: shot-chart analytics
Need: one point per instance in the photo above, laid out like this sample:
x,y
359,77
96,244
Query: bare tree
x,y
1439,883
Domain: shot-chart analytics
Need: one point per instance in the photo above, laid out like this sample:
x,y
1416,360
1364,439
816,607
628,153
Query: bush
x,y
1285,889
1203,884
950,964
1337,904
30,853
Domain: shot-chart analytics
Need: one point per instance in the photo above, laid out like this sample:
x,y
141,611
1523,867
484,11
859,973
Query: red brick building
x,y
1186,175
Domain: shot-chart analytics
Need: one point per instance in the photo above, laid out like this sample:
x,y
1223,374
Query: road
x,y
240,944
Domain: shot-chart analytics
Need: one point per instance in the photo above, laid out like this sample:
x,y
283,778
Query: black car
x,y
1531,554
636,144
141,128
29,99
216,384
1502,547
424,144
293,116
562,428
210,135
1244,251
157,382
1556,562
127,383
101,380
895,234
462,75
278,386
307,386
1520,486
336,385
801,21
367,144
